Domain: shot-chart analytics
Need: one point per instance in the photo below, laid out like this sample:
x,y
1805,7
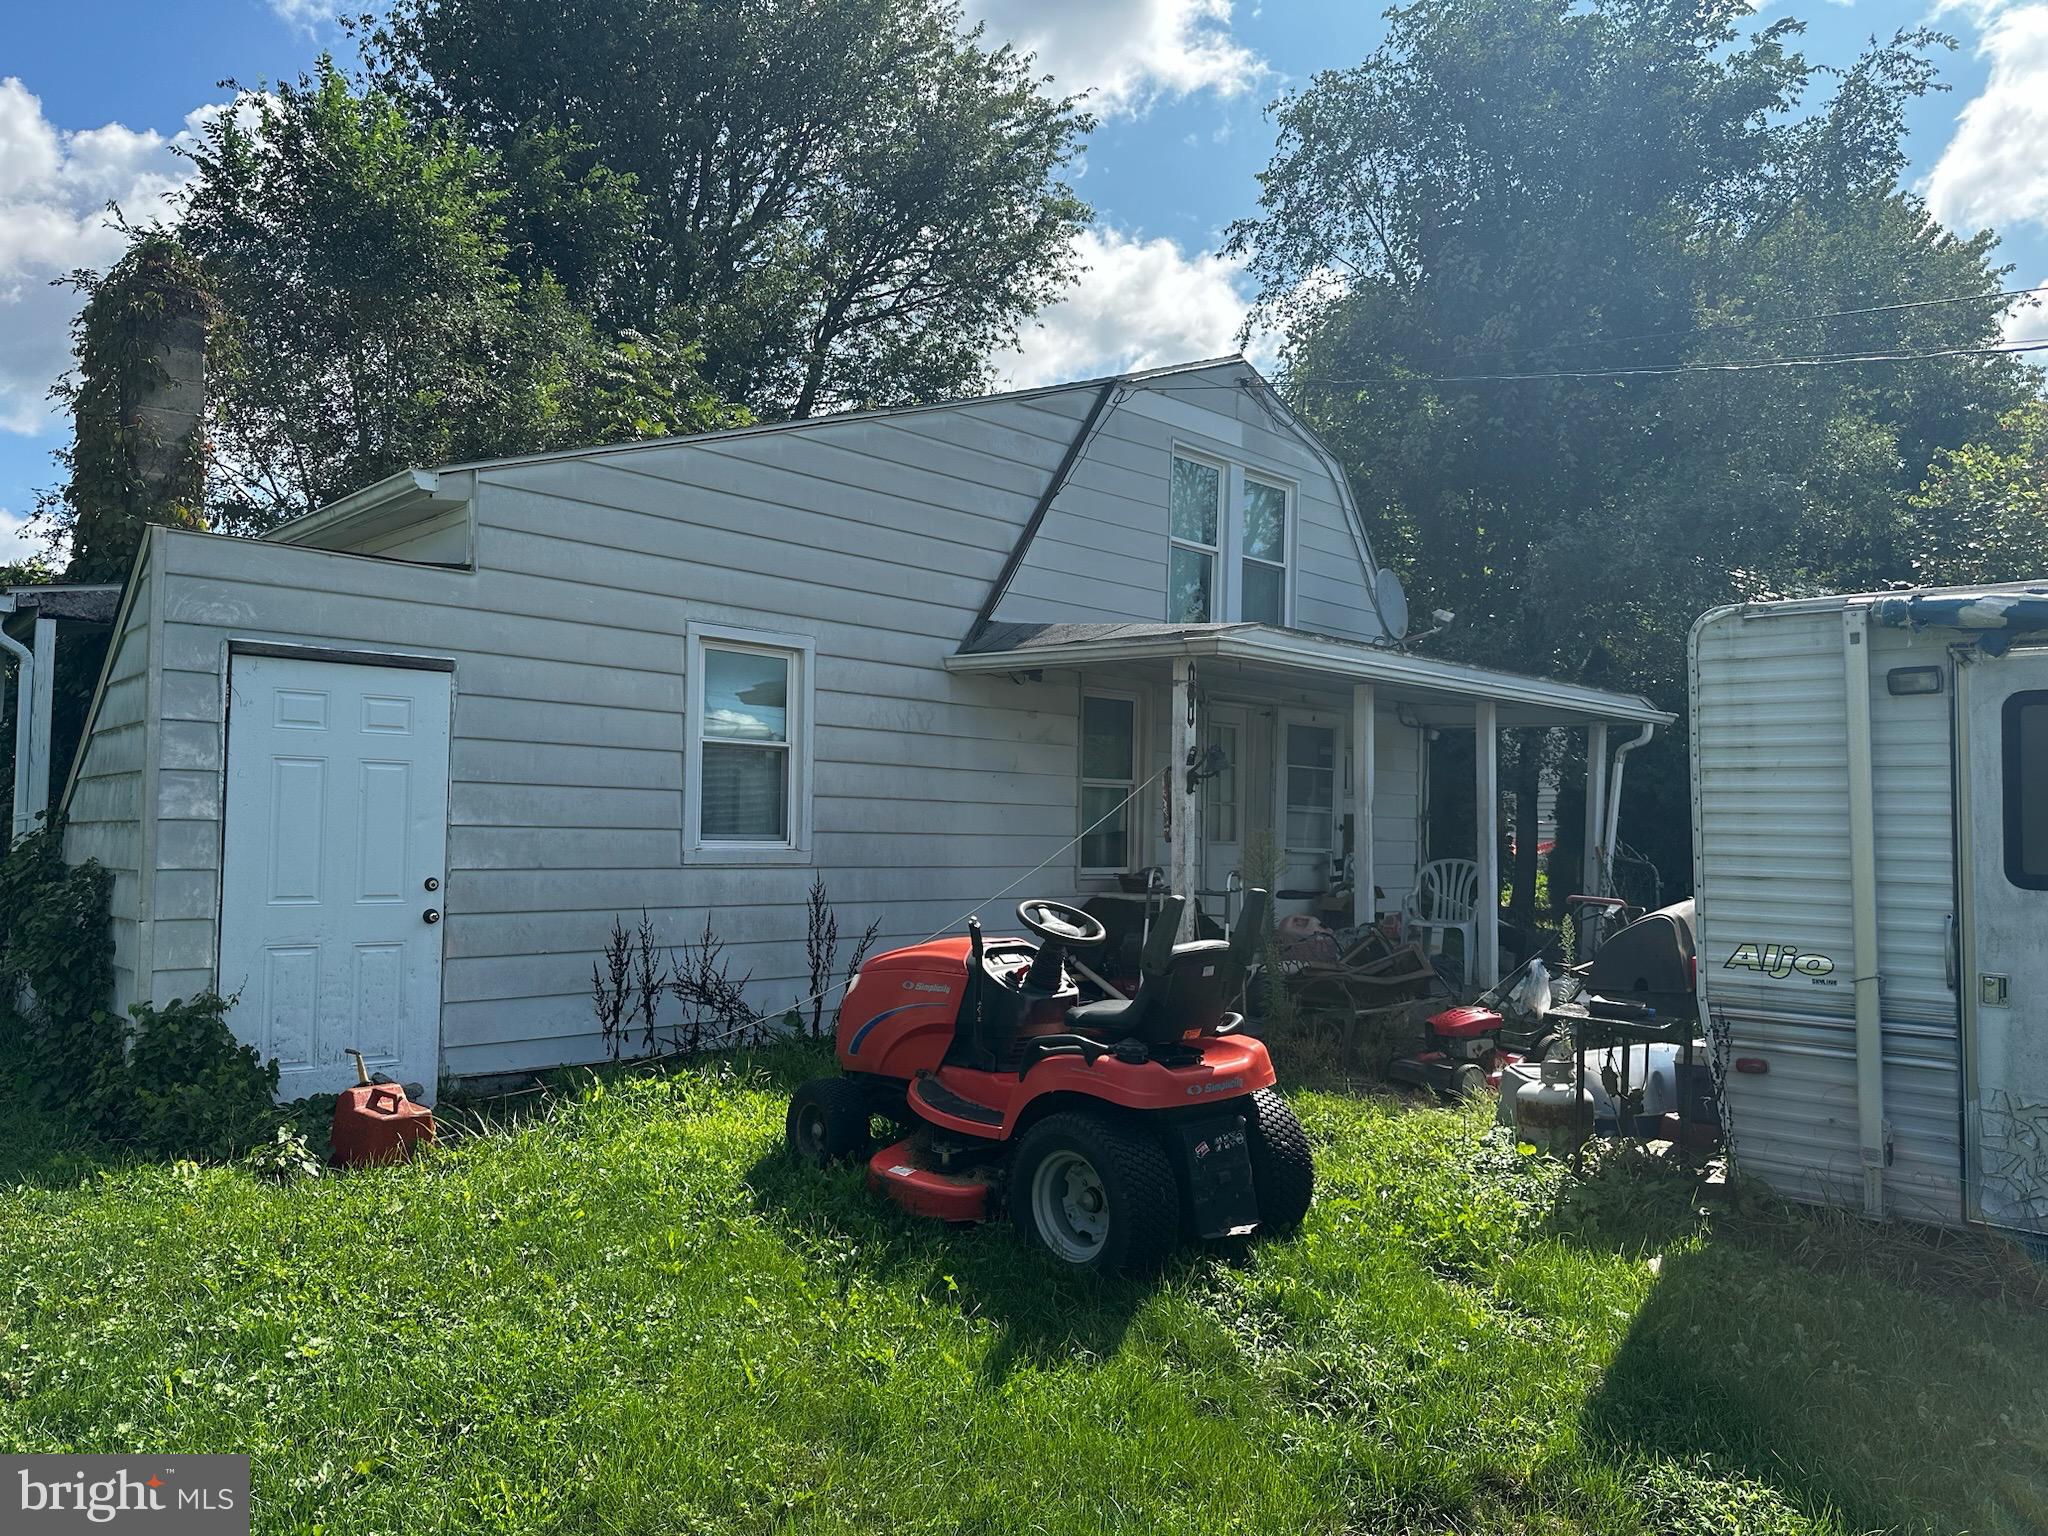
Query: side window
x,y
2026,789
746,778
1263,581
1196,516
1109,772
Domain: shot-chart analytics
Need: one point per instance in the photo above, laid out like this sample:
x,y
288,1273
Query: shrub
x,y
194,1090
57,973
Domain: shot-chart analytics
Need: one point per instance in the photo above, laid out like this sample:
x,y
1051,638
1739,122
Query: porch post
x,y
1182,872
1485,970
1596,814
1362,786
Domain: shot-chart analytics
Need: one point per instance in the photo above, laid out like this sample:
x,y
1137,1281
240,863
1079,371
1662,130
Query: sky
x,y
96,95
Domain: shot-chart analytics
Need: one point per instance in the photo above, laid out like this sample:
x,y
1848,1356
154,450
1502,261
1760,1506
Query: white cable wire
x,y
800,1004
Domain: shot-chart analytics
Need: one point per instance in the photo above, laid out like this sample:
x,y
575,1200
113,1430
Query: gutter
x,y
1368,663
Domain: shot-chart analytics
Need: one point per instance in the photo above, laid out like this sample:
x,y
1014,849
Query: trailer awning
x,y
1445,690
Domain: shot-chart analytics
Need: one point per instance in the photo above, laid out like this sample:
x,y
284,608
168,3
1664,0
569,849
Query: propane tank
x,y
1551,1114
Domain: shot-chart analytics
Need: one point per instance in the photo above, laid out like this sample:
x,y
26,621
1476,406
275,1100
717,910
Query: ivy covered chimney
x,y
138,406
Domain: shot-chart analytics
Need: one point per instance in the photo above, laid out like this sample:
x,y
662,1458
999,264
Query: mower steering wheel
x,y
1057,923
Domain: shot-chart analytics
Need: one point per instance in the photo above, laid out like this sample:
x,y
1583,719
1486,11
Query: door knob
x,y
432,914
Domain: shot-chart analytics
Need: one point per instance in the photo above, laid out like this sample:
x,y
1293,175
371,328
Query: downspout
x,y
24,721
1863,909
1614,776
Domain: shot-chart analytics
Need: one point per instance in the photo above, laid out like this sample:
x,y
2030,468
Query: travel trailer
x,y
1870,820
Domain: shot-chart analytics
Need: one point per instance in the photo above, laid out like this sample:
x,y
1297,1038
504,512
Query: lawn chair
x,y
1445,900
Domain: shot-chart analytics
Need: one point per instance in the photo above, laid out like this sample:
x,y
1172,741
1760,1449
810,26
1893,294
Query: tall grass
x,y
623,1310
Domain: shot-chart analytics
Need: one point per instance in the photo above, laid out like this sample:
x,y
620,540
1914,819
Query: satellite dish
x,y
1392,603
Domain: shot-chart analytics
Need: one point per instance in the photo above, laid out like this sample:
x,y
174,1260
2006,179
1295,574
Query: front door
x,y
1223,808
331,882
2003,707
1306,797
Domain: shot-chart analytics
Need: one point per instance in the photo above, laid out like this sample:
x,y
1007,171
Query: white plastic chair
x,y
1445,900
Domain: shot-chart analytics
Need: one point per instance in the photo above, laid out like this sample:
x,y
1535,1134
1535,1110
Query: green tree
x,y
1982,514
1510,194
372,315
850,202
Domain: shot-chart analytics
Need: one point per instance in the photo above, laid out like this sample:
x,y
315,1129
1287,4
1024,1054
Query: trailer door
x,y
2002,821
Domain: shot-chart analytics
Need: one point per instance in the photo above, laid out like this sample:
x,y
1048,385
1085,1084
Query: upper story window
x,y
1262,590
746,782
1196,505
1231,539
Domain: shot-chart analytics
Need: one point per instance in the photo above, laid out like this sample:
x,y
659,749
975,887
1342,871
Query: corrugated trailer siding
x,y
1771,834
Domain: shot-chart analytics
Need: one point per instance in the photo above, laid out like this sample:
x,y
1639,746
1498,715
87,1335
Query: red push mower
x,y
1109,1130
1638,976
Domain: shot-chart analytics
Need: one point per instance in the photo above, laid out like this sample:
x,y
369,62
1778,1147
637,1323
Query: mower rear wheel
x,y
1283,1171
830,1121
1093,1194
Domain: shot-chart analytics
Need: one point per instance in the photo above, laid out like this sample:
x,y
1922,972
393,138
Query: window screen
x,y
2026,789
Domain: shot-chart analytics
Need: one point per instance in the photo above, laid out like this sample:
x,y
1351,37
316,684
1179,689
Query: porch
x,y
1251,731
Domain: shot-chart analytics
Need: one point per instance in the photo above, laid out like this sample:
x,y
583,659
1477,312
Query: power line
x,y
1791,320
1659,370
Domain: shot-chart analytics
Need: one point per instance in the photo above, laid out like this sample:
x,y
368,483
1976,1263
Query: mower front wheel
x,y
1093,1194
829,1122
1283,1170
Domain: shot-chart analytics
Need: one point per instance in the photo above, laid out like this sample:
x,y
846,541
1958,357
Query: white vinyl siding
x,y
111,786
872,541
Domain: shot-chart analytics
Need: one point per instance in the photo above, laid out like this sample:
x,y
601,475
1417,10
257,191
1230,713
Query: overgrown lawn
x,y
632,1314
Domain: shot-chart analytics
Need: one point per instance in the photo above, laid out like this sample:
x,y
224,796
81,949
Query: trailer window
x,y
2026,789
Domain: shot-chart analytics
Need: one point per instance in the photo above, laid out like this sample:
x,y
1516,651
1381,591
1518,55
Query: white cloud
x,y
54,190
1995,169
2027,320
1139,304
1128,53
306,15
16,541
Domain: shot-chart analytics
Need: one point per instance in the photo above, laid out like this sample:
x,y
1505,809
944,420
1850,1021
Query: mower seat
x,y
1181,987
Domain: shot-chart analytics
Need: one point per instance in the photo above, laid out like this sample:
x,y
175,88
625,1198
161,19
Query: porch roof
x,y
1296,656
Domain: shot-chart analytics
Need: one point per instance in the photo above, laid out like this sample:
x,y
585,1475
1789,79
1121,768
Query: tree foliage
x,y
1982,514
371,314
850,202
1549,189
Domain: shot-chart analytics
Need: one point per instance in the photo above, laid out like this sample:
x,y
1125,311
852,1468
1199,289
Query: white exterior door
x,y
332,880
1223,808
2003,708
1306,790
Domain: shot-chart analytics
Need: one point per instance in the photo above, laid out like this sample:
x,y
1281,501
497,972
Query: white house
x,y
390,772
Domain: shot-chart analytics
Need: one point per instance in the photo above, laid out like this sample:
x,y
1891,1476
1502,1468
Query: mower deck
x,y
902,1172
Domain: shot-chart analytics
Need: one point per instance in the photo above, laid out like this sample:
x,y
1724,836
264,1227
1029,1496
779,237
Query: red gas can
x,y
376,1122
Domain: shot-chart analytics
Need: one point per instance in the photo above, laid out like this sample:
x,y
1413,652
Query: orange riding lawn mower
x,y
1110,1131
